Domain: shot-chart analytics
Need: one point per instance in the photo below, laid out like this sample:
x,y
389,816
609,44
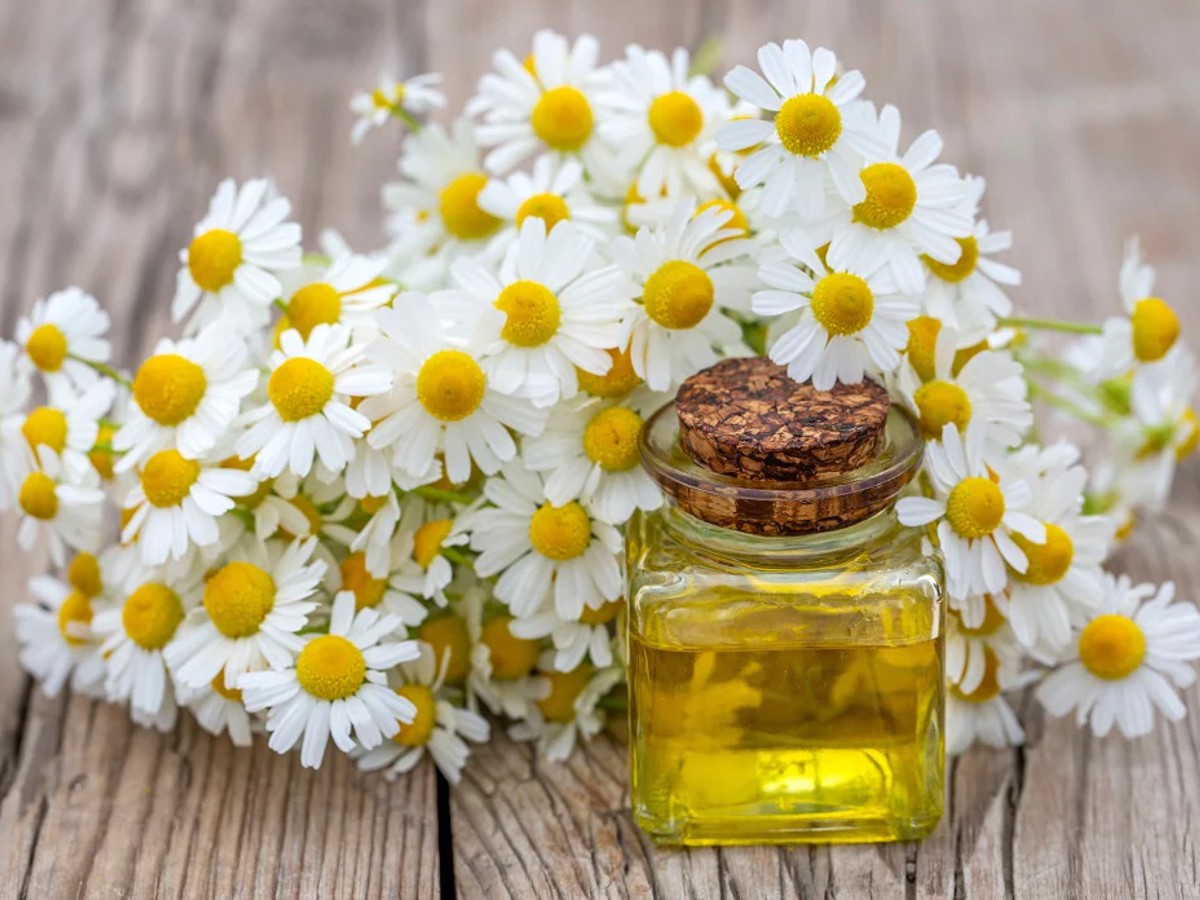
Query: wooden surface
x,y
117,117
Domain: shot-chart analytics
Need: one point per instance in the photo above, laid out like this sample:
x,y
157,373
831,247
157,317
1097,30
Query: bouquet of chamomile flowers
x,y
378,496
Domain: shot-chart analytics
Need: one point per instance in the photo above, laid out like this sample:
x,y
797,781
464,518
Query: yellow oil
x,y
760,719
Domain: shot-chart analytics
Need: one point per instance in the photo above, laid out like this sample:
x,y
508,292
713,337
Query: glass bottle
x,y
785,643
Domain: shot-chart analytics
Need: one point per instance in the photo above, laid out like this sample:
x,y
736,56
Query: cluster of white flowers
x,y
375,496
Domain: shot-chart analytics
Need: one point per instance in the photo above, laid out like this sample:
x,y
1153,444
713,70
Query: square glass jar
x,y
784,687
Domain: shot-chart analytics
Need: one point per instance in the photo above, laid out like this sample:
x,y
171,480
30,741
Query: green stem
x,y
432,493
1038,392
407,118
1050,325
104,369
456,556
280,305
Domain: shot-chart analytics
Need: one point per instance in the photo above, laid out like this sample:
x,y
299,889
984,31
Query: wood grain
x,y
117,117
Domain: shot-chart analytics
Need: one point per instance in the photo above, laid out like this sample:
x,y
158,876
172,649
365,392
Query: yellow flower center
x,y
300,387
562,118
512,657
603,615
459,206
725,179
618,381
956,272
238,597
550,208
331,668
381,99
941,403
101,456
450,385
843,303
372,505
76,607
83,574
447,636
46,426
808,124
47,347
975,507
168,388
560,532
533,313
427,542
367,589
1155,329
922,339
675,118
1048,562
891,196
678,294
610,439
314,304
37,496
737,221
989,686
213,257
1112,647
229,693
151,614
565,688
167,478
417,732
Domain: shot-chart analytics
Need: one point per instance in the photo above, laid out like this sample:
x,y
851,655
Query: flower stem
x,y
432,493
1038,392
1050,325
106,370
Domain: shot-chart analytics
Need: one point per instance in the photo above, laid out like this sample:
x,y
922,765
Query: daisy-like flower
x,y
62,502
575,641
978,512
1164,428
976,633
1147,331
346,291
176,503
969,294
63,337
541,550
981,713
987,391
229,268
547,102
55,637
15,388
913,207
820,129
662,121
337,683
567,710
252,609
852,319
589,452
393,99
185,396
69,425
219,710
554,191
502,662
308,411
546,312
443,400
438,726
1125,658
1064,575
687,273
390,593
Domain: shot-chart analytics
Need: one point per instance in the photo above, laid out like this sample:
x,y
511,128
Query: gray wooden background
x,y
117,118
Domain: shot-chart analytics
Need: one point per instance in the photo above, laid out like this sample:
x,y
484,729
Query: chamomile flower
x,y
60,501
567,710
219,710
661,122
230,267
176,503
443,400
544,313
393,99
1147,331
251,612
62,337
422,542
978,511
69,424
308,412
438,726
820,129
589,452
981,713
1164,428
542,550
688,274
502,662
386,593
548,103
346,291
1125,658
852,320
913,207
586,639
975,634
55,638
337,683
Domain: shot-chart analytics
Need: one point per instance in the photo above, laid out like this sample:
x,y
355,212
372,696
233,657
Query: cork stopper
x,y
747,419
